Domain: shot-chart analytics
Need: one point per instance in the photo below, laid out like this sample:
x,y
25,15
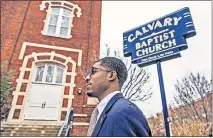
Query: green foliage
x,y
6,83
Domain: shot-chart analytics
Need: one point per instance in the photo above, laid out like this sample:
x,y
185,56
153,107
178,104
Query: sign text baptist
x,y
161,39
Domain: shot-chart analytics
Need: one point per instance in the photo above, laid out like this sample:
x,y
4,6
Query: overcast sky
x,y
121,16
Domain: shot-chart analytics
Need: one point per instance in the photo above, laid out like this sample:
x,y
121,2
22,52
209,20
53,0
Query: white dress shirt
x,y
104,102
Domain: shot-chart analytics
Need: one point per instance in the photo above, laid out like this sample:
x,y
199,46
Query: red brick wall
x,y
22,21
12,18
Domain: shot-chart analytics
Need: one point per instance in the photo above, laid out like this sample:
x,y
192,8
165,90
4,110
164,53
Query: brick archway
x,y
24,82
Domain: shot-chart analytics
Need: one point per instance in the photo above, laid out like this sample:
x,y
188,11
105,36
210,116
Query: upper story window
x,y
59,18
49,73
59,22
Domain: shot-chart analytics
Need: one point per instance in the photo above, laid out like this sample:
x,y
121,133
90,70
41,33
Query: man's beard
x,y
90,94
96,94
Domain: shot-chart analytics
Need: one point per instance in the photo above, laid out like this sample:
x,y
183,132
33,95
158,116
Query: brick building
x,y
50,45
186,120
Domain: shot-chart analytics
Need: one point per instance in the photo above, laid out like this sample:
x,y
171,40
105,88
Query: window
x,y
175,119
39,74
184,117
49,73
58,22
59,75
196,117
202,109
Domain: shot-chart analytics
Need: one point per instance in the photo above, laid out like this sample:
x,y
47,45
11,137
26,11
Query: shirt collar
x,y
104,102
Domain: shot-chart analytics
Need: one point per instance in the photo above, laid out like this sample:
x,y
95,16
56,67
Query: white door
x,y
34,110
52,102
45,95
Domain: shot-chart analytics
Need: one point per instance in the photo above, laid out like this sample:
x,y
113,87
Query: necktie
x,y
93,121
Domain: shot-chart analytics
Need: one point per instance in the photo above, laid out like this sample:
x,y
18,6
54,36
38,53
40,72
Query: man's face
x,y
97,80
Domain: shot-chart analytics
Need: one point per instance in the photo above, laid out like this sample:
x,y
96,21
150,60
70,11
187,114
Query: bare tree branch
x,y
193,97
136,88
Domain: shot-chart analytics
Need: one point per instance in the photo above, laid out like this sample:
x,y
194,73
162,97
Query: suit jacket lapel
x,y
104,114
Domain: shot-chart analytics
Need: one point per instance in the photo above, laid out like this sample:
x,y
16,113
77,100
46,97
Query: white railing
x,y
67,124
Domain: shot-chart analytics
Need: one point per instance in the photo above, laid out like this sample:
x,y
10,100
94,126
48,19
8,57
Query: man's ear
x,y
113,76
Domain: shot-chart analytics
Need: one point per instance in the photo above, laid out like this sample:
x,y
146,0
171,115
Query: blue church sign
x,y
159,40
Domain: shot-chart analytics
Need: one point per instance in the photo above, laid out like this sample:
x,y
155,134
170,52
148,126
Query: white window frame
x,y
59,23
43,81
61,5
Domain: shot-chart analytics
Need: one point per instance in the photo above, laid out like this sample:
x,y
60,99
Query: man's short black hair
x,y
116,65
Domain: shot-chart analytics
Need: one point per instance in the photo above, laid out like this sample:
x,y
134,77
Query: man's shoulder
x,y
125,109
123,105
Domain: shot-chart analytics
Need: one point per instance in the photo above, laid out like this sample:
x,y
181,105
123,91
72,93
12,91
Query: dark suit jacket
x,y
121,118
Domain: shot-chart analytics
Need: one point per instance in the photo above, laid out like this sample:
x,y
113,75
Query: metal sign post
x,y
163,99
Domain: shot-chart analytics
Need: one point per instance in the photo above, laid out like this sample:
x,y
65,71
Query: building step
x,y
30,130
30,134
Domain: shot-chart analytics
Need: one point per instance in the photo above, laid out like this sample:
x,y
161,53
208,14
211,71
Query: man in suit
x,y
115,115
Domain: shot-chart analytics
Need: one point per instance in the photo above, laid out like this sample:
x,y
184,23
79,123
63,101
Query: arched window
x,y
49,73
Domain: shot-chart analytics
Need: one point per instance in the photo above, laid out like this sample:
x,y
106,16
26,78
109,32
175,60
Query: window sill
x,y
68,37
45,83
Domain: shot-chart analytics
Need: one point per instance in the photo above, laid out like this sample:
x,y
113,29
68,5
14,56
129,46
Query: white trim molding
x,y
44,123
80,124
28,44
20,80
80,115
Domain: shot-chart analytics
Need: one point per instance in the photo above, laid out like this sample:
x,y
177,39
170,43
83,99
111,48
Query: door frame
x,y
32,58
32,81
